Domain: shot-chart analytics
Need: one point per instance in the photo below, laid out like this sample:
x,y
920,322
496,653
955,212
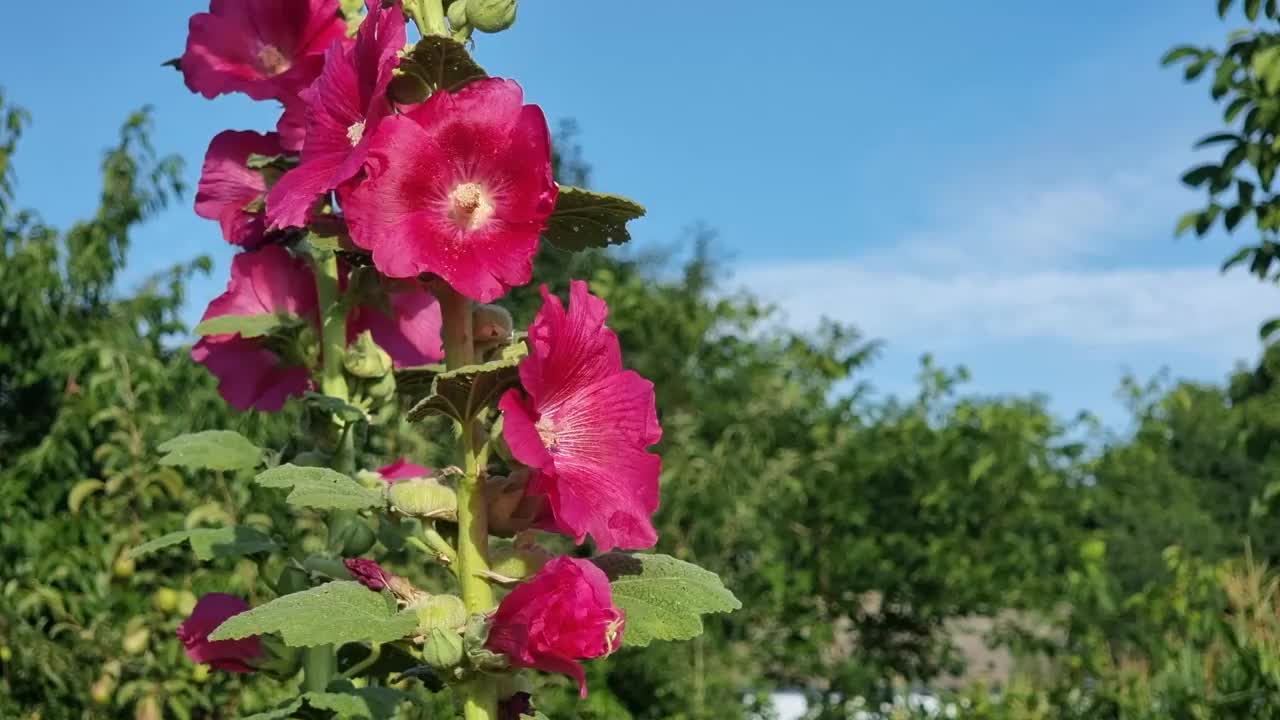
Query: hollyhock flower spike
x,y
263,48
230,655
563,614
582,424
402,469
459,186
249,375
228,187
410,334
343,109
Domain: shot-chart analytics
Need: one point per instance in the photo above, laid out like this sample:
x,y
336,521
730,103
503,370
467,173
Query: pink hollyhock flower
x,y
343,109
367,572
227,186
292,125
563,614
582,425
263,48
249,375
410,334
230,655
402,469
460,186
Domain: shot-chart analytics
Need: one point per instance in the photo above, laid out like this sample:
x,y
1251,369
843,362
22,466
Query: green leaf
x,y
336,612
664,598
1223,7
373,703
248,326
1218,138
1200,175
1234,108
434,63
463,393
1186,222
1251,9
337,407
211,450
416,382
320,488
280,162
81,492
585,219
210,543
1178,53
1232,217
1268,329
1236,258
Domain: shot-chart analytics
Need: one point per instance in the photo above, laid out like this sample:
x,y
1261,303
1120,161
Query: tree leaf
x,y
664,598
1251,9
211,450
337,612
434,63
320,488
585,219
1218,138
1200,175
81,492
1268,329
210,543
1186,222
1223,7
463,393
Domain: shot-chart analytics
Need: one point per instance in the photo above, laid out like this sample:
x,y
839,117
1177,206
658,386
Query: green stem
x,y
479,698
319,666
428,15
375,652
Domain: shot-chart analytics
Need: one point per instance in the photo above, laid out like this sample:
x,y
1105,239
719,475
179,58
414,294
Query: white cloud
x,y
1044,262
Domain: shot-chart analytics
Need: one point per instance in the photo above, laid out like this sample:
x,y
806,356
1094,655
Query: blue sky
x,y
994,182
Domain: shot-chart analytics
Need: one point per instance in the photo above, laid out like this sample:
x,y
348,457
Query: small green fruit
x,y
136,641
165,600
102,690
186,603
123,567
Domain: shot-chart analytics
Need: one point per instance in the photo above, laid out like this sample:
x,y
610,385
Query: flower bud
x,y
491,16
442,612
424,498
353,538
519,560
365,359
383,388
442,649
510,510
492,326
457,14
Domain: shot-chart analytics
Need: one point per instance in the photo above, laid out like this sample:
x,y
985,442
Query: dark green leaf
x,y
1178,53
340,409
210,543
585,219
336,612
1200,175
664,598
1186,222
320,488
1251,9
1207,218
434,63
415,382
463,393
1223,7
211,450
1232,217
1234,107
1268,329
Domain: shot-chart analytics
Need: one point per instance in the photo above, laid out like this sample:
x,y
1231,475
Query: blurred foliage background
x,y
1109,576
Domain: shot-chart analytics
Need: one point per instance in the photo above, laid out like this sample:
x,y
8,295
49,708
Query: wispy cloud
x,y
1075,260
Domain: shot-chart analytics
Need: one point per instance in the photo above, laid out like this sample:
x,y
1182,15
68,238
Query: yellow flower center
x,y
355,133
470,206
547,433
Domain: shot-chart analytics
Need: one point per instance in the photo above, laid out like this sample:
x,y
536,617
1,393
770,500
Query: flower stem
x,y
479,698
320,664
428,15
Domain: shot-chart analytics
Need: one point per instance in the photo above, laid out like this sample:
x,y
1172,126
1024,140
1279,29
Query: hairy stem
x,y
428,15
319,667
480,701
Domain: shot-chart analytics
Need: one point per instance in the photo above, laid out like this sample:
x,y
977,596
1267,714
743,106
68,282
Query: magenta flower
x,y
563,614
292,125
582,425
249,375
343,109
368,573
460,186
410,334
228,187
230,655
263,48
402,469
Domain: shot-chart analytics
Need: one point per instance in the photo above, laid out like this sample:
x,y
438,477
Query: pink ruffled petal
x,y
227,185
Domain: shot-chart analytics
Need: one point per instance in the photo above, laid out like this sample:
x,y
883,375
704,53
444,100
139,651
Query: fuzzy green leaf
x,y
210,543
374,703
585,219
664,598
339,408
247,326
336,612
320,488
211,450
463,393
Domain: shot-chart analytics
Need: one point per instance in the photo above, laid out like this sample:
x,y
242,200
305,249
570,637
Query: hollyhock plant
x,y
250,376
408,329
230,655
263,48
582,424
402,469
459,186
563,614
343,109
229,189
